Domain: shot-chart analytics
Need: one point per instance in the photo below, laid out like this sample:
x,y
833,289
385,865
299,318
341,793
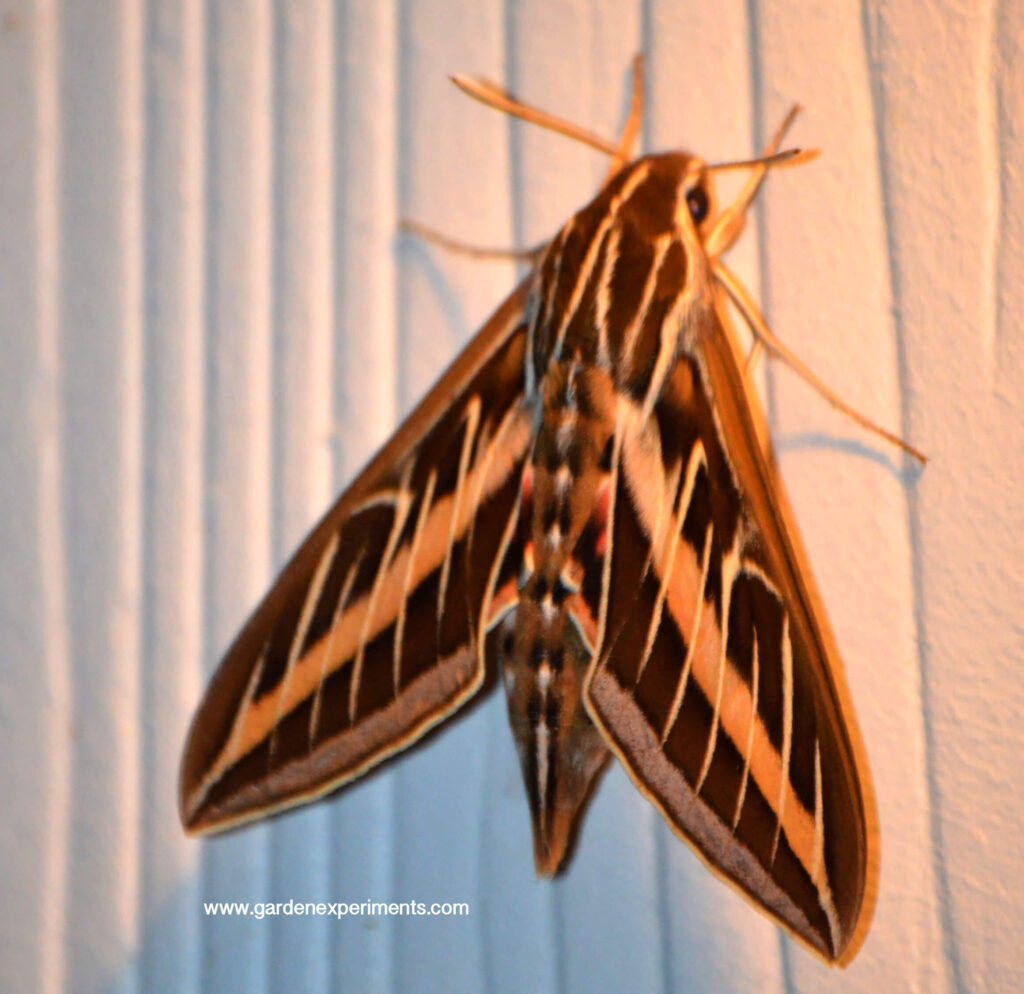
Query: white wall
x,y
208,323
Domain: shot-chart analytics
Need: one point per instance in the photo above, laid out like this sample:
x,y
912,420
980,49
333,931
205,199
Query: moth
x,y
587,504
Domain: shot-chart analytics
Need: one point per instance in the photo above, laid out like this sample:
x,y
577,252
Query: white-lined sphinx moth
x,y
586,501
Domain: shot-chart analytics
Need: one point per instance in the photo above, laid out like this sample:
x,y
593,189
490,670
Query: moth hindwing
x,y
585,503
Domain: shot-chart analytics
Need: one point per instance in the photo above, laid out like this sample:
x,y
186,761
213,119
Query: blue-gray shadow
x,y
904,469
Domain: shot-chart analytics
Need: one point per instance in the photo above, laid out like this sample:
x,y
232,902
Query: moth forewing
x,y
741,409
276,726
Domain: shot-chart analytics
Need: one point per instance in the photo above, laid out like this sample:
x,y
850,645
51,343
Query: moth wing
x,y
372,632
743,741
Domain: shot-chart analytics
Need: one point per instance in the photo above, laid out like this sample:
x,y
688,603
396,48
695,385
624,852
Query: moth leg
x,y
753,355
531,255
764,335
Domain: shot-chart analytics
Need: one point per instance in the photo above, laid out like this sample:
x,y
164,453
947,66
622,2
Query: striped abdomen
x,y
547,641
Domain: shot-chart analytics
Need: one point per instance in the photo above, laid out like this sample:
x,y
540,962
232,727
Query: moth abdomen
x,y
559,748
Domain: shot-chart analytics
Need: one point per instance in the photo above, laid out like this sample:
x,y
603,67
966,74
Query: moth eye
x,y
697,201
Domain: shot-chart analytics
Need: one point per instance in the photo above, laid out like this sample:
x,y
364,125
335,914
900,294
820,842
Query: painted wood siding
x,y
209,322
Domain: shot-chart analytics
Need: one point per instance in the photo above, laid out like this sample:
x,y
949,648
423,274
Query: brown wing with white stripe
x,y
715,679
372,633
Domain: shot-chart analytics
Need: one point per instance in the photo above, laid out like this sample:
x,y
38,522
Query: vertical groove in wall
x,y
101,347
52,554
663,904
1008,50
237,440
510,80
303,266
129,501
171,644
758,137
987,141
1007,468
402,164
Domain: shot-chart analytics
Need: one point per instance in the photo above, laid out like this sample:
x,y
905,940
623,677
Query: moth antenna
x,y
494,96
789,157
763,334
435,237
729,224
631,128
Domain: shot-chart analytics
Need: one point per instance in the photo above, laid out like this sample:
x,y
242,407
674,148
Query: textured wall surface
x,y
208,322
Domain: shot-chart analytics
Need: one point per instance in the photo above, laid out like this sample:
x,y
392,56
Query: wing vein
x,y
426,505
749,751
325,659
606,568
492,580
601,303
682,501
787,729
691,649
401,513
306,616
817,863
472,424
